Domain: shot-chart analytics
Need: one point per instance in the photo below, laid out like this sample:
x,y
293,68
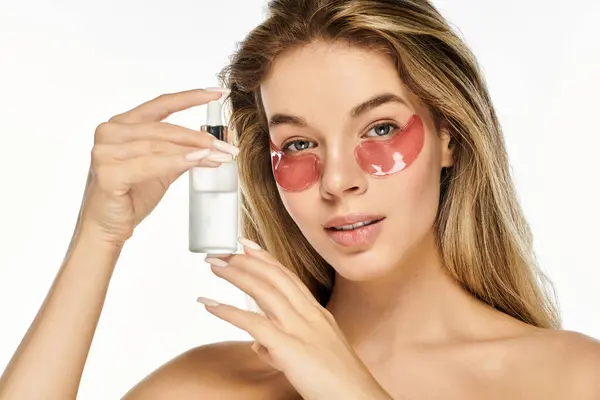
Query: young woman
x,y
384,246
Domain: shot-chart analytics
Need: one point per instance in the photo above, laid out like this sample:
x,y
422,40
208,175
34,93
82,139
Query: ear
x,y
447,147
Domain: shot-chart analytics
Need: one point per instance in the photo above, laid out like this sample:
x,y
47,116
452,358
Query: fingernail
x,y
207,301
219,157
217,89
197,155
217,262
225,147
249,243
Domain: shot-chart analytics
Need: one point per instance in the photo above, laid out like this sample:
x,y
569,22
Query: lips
x,y
357,235
351,219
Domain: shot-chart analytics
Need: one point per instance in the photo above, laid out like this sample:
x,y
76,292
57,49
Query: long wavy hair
x,y
481,232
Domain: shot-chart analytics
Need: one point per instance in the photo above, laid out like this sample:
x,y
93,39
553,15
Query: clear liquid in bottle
x,y
213,209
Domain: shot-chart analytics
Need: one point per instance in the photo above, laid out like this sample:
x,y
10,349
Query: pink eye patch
x,y
376,157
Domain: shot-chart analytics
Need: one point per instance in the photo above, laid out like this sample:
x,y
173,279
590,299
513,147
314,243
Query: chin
x,y
362,264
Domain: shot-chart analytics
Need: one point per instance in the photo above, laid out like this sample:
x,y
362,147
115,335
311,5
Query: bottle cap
x,y
214,121
213,114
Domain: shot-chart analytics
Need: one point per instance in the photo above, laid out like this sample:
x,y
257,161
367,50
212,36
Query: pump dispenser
x,y
213,197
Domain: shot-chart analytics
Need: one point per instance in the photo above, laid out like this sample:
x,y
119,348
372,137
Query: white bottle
x,y
213,198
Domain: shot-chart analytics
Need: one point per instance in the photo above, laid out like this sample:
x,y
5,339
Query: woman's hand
x,y
296,335
136,157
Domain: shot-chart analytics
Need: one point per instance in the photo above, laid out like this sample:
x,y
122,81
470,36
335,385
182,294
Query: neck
x,y
417,303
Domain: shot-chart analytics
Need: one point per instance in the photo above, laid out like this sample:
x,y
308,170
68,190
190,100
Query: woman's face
x,y
320,86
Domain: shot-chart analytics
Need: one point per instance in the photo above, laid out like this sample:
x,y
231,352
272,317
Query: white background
x,y
66,66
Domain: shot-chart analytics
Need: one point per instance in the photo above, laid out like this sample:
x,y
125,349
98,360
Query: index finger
x,y
164,105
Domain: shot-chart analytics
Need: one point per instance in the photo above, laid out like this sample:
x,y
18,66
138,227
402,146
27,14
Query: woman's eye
x,y
297,145
383,129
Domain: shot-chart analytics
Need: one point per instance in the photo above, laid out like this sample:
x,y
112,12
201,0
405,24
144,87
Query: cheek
x,y
302,206
412,196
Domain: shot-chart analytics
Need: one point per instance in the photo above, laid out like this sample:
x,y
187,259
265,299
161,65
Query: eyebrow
x,y
373,102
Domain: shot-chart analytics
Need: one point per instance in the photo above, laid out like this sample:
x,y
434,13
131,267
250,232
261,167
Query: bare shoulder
x,y
580,358
213,371
568,359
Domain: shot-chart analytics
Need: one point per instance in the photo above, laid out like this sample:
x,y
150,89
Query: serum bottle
x,y
213,197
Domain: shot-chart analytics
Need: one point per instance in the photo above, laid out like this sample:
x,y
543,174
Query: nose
x,y
341,175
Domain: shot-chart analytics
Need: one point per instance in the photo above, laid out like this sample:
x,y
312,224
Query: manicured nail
x,y
197,155
217,262
225,147
207,301
218,89
217,156
249,243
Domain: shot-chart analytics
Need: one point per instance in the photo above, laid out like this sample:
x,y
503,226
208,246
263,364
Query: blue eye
x,y
297,145
388,128
379,130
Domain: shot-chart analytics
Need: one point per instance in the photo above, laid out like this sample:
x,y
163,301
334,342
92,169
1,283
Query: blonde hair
x,y
482,235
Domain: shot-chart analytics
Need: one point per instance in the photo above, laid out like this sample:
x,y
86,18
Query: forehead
x,y
328,79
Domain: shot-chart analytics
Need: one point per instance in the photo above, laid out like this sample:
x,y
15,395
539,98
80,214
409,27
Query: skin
x,y
392,283
464,349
